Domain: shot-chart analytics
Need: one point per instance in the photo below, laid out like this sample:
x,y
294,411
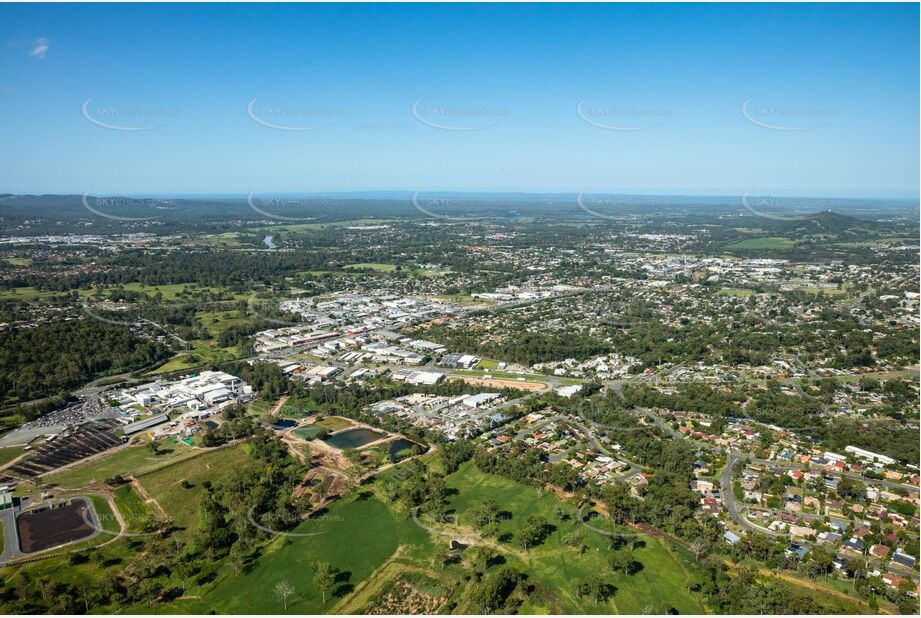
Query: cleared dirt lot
x,y
500,383
49,527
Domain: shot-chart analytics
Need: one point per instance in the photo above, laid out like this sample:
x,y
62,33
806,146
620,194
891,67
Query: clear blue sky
x,y
681,71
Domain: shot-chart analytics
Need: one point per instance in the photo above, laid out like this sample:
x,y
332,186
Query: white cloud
x,y
40,48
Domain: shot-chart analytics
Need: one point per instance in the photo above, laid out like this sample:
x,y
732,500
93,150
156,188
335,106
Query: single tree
x,y
283,590
324,576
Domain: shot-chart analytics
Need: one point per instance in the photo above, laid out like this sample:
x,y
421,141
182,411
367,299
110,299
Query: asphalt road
x,y
729,499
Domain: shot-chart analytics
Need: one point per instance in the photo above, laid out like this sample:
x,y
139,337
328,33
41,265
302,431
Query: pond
x,y
268,242
354,438
400,449
283,424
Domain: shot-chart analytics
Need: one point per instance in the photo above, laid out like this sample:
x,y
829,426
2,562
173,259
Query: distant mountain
x,y
826,222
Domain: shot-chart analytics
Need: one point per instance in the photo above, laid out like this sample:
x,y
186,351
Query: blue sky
x,y
831,91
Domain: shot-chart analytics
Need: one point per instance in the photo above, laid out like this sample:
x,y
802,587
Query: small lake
x,y
354,438
283,424
268,242
400,449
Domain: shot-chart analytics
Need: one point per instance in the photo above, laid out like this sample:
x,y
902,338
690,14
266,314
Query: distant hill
x,y
826,222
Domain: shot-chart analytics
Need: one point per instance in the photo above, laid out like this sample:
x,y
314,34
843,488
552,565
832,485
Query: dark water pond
x,y
354,438
400,449
284,424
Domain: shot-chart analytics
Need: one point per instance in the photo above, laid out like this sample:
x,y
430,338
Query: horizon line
x,y
408,193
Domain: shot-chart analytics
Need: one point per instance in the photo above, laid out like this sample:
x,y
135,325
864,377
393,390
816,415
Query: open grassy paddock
x,y
555,565
181,503
128,460
298,408
202,353
356,535
9,453
132,508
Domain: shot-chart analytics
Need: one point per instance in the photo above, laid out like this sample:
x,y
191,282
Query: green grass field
x,y
465,299
130,460
406,268
556,566
298,408
373,544
25,293
180,503
736,292
225,240
106,518
487,363
202,353
308,432
131,507
9,453
218,321
825,291
763,244
357,536
170,291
